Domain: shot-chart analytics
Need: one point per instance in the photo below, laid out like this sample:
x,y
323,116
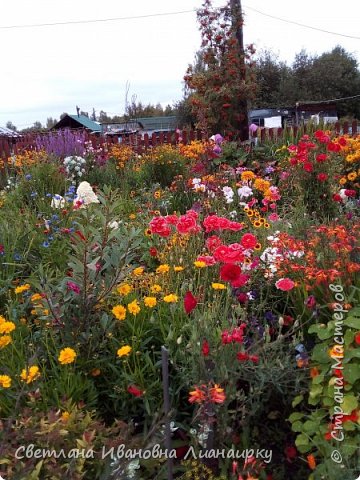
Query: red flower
x,y
187,224
135,391
285,284
205,349
357,338
213,242
308,167
254,358
333,147
242,356
230,272
322,177
217,394
159,225
190,302
232,253
153,252
337,198
248,241
291,453
80,235
350,193
208,259
321,157
242,297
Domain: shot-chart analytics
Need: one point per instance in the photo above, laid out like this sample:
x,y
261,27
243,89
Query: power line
x,y
310,102
301,24
115,19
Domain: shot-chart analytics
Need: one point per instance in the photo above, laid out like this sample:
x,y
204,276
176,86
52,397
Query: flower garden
x,y
241,264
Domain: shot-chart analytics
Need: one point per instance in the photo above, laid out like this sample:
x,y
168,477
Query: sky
x,y
45,71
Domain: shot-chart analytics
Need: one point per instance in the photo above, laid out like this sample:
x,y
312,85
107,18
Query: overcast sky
x,y
45,71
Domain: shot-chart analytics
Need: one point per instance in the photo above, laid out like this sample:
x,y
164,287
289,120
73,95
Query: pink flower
x,y
273,217
208,259
73,286
285,284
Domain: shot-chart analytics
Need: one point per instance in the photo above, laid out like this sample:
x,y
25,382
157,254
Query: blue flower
x,y
28,176
49,194
46,244
17,257
33,194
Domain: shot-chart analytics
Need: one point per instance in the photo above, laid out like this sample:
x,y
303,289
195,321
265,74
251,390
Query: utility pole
x,y
242,106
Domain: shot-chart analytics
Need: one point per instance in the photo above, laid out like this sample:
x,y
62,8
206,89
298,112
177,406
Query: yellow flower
x,y
132,216
148,232
7,327
155,288
178,269
36,297
5,381
124,351
2,319
124,289
150,301
218,286
67,355
172,298
199,264
247,175
30,374
119,312
22,288
342,181
65,417
336,351
4,341
352,176
134,307
257,224
157,194
138,271
163,268
261,184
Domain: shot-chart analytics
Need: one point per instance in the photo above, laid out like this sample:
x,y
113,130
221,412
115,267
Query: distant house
x,y
78,122
7,132
141,126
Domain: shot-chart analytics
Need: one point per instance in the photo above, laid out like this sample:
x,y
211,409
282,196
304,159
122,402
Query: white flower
x,y
85,194
57,201
114,225
244,192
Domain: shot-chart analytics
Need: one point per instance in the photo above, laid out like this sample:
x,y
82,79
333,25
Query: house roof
x,y
78,121
6,132
158,123
86,122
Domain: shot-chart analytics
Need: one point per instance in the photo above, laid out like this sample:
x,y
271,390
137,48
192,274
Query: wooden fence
x,y
141,143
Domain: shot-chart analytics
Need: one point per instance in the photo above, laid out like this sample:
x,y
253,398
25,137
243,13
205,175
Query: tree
x,y
11,126
222,82
50,122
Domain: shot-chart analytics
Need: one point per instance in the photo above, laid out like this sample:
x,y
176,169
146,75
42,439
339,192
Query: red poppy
x,y
205,349
190,302
137,392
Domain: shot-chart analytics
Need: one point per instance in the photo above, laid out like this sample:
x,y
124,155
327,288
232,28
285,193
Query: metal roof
x,y
86,122
158,123
6,132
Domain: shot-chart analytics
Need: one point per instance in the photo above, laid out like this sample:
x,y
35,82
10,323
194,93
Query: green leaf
x,y
302,440
320,354
295,416
349,337
310,426
351,372
353,322
349,404
297,427
298,399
